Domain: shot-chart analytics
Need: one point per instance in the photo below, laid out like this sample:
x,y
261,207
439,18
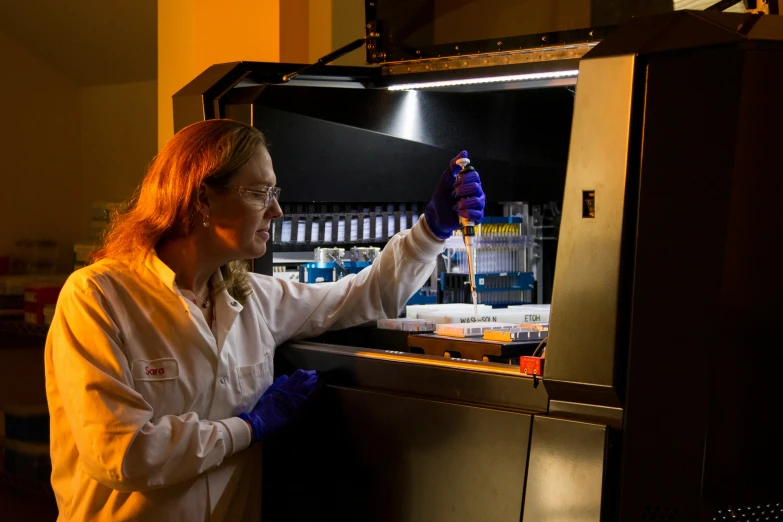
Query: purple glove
x,y
453,199
280,402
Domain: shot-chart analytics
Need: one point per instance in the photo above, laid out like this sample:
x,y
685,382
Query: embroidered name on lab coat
x,y
155,370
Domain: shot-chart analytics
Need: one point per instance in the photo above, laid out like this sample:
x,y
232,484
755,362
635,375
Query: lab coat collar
x,y
226,308
226,311
160,269
167,276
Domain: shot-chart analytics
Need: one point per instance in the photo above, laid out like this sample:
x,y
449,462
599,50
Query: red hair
x,y
166,203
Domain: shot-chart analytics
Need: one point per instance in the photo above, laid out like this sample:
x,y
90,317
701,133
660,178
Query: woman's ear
x,y
203,201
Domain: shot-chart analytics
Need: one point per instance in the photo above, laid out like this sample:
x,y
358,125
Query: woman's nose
x,y
274,211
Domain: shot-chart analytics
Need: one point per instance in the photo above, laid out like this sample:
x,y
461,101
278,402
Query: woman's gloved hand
x,y
280,402
454,198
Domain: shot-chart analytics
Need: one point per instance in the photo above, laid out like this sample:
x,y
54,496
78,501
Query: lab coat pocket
x,y
253,381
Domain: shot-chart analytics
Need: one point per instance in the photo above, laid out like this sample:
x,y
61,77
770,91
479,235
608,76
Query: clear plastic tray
x,y
407,325
473,329
525,334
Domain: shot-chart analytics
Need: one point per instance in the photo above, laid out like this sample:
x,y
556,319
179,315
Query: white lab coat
x,y
143,397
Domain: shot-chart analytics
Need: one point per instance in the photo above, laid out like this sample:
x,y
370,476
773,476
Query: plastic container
x,y
406,325
48,314
11,294
39,294
485,315
525,334
472,329
413,311
12,297
23,256
44,292
45,257
514,208
13,285
533,313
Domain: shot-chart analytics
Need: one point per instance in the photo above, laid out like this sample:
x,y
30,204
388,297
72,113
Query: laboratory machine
x,y
657,177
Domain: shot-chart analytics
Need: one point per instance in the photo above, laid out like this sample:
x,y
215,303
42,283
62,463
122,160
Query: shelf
x,y
18,334
41,490
22,328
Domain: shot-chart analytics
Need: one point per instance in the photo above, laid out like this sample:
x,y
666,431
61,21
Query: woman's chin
x,y
257,250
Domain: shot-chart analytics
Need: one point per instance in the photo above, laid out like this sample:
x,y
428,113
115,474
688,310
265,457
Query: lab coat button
x,y
222,380
233,303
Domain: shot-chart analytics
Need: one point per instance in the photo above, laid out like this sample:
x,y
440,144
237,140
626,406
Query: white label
x,y
155,370
341,231
484,319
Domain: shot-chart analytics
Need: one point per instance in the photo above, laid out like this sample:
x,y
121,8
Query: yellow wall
x,y
348,25
320,29
40,195
332,24
194,34
294,31
176,58
248,30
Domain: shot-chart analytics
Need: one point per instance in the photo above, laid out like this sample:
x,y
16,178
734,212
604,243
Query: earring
x,y
206,221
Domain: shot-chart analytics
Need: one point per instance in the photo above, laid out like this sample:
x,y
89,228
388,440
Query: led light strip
x,y
490,79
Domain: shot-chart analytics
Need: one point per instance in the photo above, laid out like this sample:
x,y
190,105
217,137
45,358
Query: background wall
x,y
192,36
79,90
64,146
40,147
118,140
347,25
79,83
293,31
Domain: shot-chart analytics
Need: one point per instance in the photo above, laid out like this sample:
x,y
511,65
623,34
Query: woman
x,y
159,346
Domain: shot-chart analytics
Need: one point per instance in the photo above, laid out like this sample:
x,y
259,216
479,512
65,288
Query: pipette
x,y
467,234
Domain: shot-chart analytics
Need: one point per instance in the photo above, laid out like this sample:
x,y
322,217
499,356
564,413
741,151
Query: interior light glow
x,y
488,79
407,123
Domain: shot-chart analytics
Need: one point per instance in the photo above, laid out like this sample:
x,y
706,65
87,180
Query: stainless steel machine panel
x,y
493,385
566,470
384,457
585,298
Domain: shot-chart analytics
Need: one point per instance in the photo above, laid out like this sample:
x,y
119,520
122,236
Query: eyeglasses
x,y
260,198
